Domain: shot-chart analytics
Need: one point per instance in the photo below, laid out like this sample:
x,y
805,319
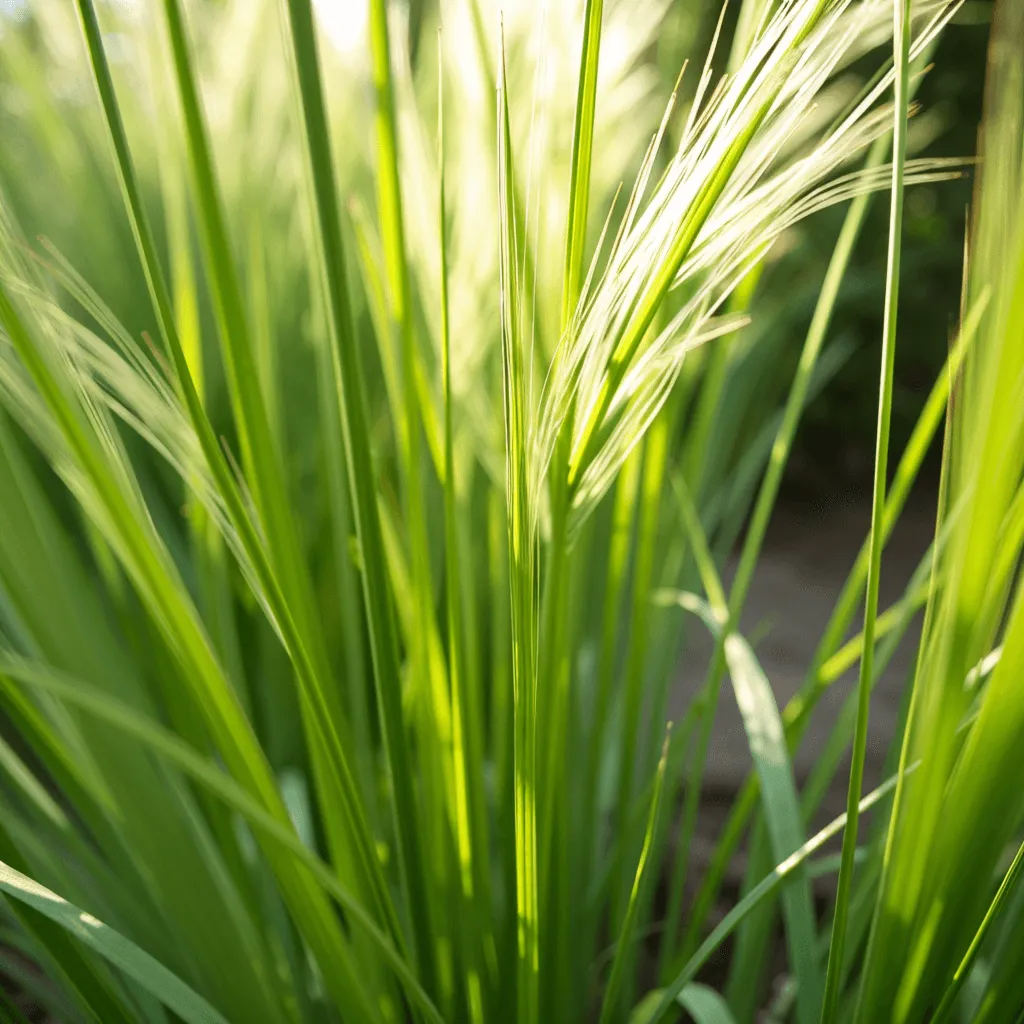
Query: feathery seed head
x,y
729,191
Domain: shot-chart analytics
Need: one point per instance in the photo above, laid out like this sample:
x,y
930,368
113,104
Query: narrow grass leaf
x,y
522,575
207,774
752,899
901,49
610,1009
1006,886
703,1004
118,951
766,739
580,163
352,403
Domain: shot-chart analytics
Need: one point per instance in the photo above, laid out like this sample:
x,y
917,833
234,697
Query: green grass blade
x,y
833,976
624,510
610,1009
132,193
703,1004
522,579
655,462
166,744
948,1001
92,990
118,951
582,156
766,738
752,899
352,401
392,228
470,838
389,190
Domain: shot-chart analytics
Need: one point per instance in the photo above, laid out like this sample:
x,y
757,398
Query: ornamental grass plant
x,y
381,399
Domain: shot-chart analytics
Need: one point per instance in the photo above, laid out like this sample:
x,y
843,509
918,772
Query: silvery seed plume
x,y
726,196
542,67
105,379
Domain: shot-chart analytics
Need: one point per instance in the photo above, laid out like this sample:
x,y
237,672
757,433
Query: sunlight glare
x,y
344,22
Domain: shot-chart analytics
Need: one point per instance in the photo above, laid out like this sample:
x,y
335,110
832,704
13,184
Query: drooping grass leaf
x,y
209,775
113,947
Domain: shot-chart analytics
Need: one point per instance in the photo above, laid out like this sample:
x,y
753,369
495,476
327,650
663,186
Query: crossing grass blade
x,y
91,992
948,1001
209,775
150,974
749,902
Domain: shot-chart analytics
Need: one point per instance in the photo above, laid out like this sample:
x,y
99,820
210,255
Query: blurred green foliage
x,y
842,418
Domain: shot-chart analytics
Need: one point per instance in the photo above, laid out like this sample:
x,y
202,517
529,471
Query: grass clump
x,y
360,490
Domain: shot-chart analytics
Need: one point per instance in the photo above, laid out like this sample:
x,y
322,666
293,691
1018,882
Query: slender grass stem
x,y
761,891
553,713
582,155
610,1007
556,653
392,225
352,402
466,772
833,976
655,457
523,583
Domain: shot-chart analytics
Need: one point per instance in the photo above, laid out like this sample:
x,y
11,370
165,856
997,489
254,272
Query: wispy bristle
x,y
760,108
